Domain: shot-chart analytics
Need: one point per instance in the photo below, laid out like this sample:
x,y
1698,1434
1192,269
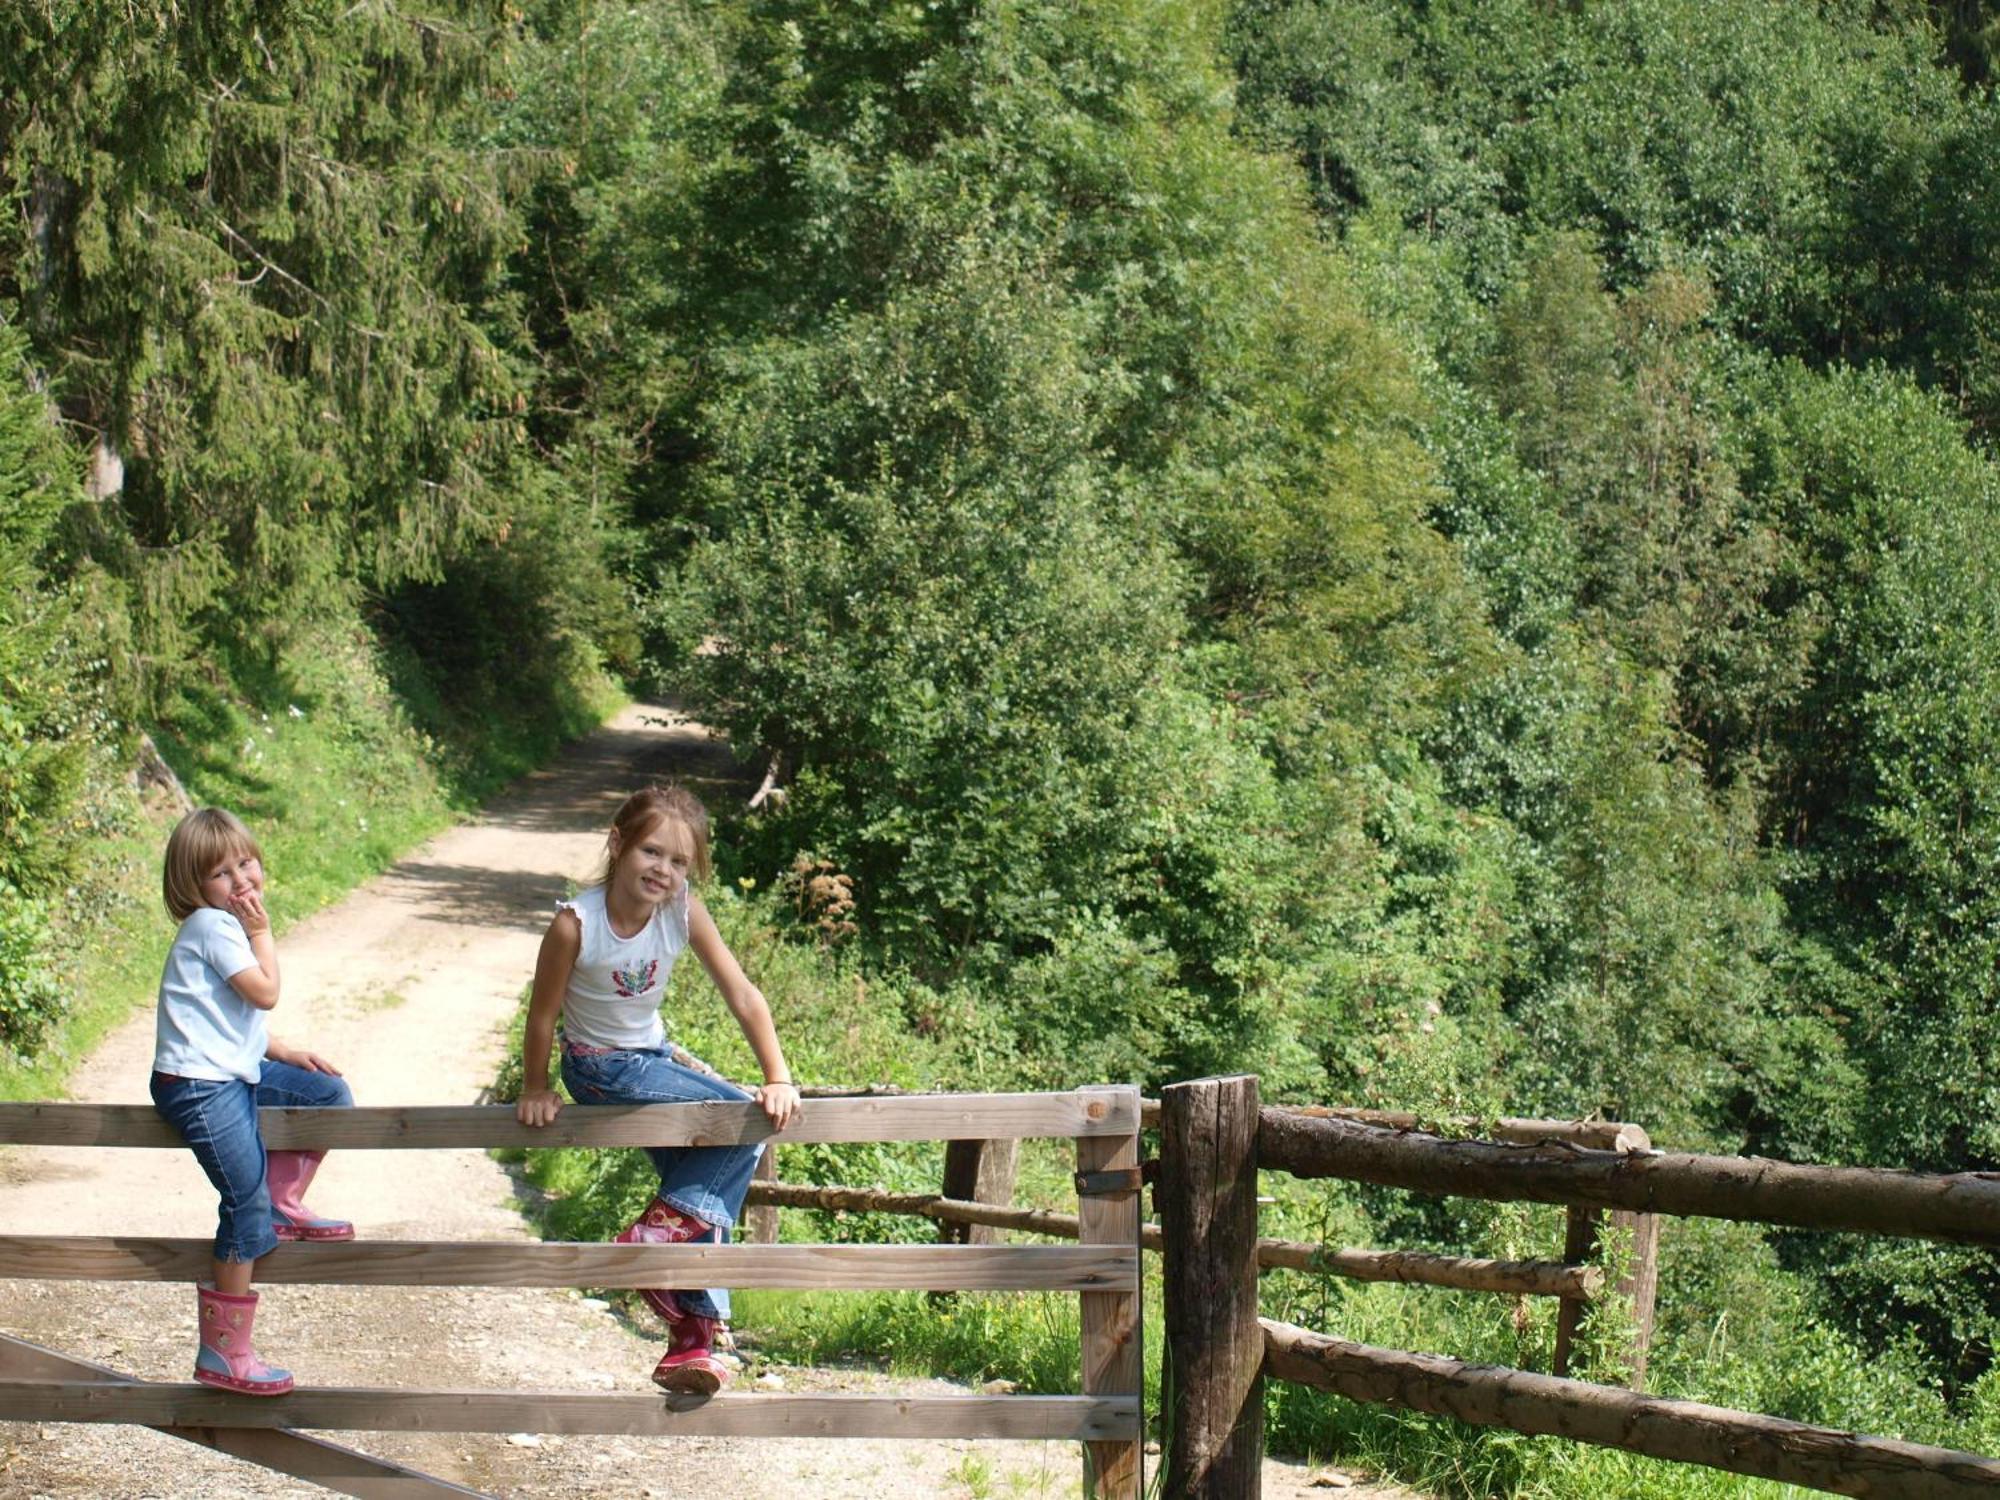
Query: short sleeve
x,y
225,947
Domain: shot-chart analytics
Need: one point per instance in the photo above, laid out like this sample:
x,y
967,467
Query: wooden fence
x,y
1215,1136
978,1184
39,1384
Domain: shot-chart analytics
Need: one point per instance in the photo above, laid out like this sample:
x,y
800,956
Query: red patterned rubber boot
x,y
690,1367
227,1357
288,1174
661,1225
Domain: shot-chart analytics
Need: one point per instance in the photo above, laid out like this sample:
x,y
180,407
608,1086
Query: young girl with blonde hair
x,y
603,970
215,1064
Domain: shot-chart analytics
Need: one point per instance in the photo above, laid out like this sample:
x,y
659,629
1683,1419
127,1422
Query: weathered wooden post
x,y
1583,1239
1582,1242
761,1223
978,1172
1108,1204
1207,1198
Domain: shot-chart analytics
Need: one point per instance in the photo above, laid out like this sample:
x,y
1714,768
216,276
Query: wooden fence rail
x,y
1521,1278
1963,1207
1688,1432
1102,1269
1082,1114
362,1409
1209,1223
1025,1268
330,1464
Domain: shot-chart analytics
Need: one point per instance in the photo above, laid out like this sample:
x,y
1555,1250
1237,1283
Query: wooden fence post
x,y
1113,1360
761,1223
1207,1199
1583,1240
978,1172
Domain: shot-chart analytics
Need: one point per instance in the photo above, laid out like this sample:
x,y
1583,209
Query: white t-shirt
x,y
615,990
203,1028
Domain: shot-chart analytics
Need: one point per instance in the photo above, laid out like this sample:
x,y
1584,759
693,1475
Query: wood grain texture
x,y
1639,1280
1690,1432
1073,1418
1963,1206
1113,1357
978,1172
1215,1345
326,1464
1603,1135
909,1117
1580,1226
1057,1268
760,1220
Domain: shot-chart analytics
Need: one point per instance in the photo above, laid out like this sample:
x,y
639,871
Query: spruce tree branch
x,y
264,260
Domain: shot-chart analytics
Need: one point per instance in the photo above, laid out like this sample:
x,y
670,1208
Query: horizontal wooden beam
x,y
294,1453
1963,1206
835,1198
1603,1135
1510,1278
1715,1437
1598,1135
751,1414
1048,1268
910,1117
1514,1278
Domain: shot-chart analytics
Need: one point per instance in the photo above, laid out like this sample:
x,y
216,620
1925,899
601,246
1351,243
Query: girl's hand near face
x,y
248,909
257,985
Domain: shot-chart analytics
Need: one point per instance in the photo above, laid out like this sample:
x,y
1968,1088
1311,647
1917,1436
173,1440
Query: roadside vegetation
x,y
1448,555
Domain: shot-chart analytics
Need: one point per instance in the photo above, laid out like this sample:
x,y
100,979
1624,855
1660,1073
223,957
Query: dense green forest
x,y
1444,553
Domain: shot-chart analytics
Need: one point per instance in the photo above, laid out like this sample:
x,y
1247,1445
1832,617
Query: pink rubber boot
x,y
288,1174
690,1366
227,1357
661,1225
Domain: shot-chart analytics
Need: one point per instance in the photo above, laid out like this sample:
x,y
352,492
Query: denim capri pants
x,y
708,1183
218,1120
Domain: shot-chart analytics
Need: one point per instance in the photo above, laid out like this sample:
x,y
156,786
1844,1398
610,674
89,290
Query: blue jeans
x,y
218,1120
707,1183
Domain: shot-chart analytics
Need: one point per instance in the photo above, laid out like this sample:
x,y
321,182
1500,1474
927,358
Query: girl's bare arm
x,y
258,985
539,1101
779,1097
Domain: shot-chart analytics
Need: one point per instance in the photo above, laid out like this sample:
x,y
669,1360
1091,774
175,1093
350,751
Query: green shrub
x,y
31,998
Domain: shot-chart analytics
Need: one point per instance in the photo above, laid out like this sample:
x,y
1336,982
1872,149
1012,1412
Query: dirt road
x,y
406,986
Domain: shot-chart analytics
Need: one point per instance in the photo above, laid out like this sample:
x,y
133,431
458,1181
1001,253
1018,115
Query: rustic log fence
x,y
978,1187
1215,1137
39,1384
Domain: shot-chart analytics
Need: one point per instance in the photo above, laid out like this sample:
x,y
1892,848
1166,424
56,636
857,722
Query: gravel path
x,y
406,985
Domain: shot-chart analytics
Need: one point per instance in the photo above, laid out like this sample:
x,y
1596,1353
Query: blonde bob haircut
x,y
651,806
200,841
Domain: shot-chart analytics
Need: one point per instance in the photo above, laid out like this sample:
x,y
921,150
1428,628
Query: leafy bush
x,y
31,999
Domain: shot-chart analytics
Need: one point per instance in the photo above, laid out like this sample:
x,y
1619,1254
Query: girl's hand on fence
x,y
538,1107
780,1103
